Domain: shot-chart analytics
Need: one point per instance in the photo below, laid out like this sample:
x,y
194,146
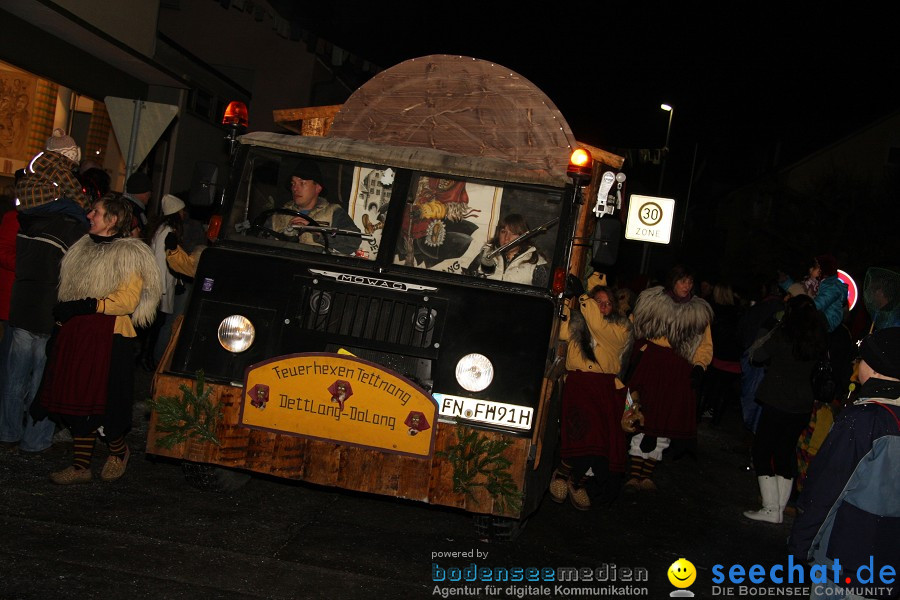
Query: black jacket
x,y
862,525
43,239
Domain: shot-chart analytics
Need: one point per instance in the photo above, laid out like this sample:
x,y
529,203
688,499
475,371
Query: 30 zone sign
x,y
650,219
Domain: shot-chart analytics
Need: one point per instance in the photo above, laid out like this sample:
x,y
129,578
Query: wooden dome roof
x,y
460,105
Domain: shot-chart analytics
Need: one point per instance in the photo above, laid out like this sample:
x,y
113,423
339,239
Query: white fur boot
x,y
770,512
785,487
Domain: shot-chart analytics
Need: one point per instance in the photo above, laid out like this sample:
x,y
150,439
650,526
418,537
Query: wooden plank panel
x,y
288,457
414,477
322,462
328,463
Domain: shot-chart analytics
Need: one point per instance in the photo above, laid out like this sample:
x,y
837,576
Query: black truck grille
x,y
409,321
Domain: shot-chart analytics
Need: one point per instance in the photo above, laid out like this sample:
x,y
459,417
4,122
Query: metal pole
x,y
577,202
132,143
645,255
687,201
662,170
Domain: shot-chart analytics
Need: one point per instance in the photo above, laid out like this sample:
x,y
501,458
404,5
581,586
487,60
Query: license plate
x,y
485,411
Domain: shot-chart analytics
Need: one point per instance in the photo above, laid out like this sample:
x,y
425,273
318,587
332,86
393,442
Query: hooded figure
x,y
50,175
51,218
848,514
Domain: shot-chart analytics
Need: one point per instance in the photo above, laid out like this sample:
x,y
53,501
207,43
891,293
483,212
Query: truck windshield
x,y
299,203
472,229
503,233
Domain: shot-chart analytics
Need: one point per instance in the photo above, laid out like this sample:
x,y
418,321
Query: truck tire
x,y
489,528
210,478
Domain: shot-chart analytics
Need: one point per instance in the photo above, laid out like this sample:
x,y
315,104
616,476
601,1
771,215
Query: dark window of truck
x,y
458,226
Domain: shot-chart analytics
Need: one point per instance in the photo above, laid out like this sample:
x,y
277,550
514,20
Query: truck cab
x,y
411,335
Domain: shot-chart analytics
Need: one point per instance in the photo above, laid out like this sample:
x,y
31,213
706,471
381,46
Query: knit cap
x,y
171,204
64,144
881,350
138,183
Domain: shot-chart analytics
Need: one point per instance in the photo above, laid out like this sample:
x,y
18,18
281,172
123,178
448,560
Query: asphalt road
x,y
151,535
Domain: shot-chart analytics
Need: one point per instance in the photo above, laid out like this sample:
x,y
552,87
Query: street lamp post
x,y
645,257
671,110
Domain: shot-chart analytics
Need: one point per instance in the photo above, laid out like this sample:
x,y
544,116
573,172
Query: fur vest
x,y
656,315
92,270
580,334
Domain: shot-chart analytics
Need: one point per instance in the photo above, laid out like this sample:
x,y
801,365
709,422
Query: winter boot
x,y
785,487
770,511
578,495
559,484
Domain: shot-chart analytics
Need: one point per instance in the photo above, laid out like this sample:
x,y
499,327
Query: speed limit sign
x,y
650,219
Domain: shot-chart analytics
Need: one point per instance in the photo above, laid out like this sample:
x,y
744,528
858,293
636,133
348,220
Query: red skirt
x,y
77,374
662,380
592,410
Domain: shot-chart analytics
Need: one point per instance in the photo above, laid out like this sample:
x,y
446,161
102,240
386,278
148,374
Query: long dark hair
x,y
517,224
805,327
174,221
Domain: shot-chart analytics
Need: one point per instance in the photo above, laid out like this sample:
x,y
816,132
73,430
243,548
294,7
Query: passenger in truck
x,y
307,199
519,263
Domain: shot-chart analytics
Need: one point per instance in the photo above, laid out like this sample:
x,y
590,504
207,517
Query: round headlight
x,y
236,333
474,372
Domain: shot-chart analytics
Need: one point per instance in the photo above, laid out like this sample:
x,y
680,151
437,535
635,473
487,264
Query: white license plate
x,y
485,411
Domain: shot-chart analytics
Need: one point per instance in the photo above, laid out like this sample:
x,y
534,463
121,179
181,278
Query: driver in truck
x,y
313,210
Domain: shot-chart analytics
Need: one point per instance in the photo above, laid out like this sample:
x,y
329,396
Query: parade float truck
x,y
381,357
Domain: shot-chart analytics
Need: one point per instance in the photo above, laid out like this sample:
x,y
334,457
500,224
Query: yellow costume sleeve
x,y
124,300
122,303
182,262
594,279
704,354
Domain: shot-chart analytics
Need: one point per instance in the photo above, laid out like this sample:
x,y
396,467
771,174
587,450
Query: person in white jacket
x,y
520,263
173,298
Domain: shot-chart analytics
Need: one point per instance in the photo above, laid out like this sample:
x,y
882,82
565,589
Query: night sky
x,y
756,87
740,75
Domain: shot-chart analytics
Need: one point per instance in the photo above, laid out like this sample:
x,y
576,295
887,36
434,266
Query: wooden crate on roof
x,y
312,120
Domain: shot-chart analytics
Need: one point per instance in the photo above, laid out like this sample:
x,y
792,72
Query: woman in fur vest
x,y
675,348
599,341
109,283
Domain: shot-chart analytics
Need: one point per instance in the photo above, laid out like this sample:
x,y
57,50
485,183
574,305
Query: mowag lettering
x,y
370,281
373,281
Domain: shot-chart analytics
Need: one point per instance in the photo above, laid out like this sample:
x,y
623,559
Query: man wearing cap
x,y
138,191
849,510
306,188
52,217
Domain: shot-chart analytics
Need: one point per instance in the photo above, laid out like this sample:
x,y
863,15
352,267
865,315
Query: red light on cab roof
x,y
236,114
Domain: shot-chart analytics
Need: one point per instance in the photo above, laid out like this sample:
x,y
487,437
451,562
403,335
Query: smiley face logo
x,y
682,573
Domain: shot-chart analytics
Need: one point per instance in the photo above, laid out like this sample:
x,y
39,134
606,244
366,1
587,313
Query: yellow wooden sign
x,y
339,398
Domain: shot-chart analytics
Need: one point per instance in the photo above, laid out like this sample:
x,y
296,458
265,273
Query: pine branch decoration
x,y
192,415
478,461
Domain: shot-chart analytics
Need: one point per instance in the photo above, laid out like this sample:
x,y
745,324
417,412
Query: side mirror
x,y
605,246
204,182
